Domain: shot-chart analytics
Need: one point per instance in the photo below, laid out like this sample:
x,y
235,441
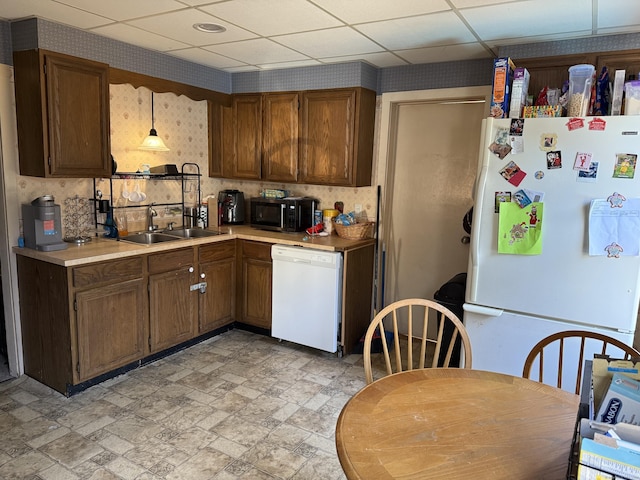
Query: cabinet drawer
x,y
108,272
166,261
258,250
217,251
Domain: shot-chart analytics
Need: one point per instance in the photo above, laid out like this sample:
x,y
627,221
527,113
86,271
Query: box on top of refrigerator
x,y
502,77
519,92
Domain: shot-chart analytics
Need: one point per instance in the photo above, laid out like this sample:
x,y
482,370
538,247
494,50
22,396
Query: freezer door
x,y
501,341
563,282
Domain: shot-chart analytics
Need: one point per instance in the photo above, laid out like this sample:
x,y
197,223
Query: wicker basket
x,y
357,231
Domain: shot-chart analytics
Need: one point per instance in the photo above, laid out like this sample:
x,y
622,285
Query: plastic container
x,y
580,81
327,216
632,98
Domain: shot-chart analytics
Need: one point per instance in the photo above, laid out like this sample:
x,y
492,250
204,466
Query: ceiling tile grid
x,y
381,32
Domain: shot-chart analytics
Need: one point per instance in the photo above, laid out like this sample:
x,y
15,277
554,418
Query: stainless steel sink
x,y
191,233
148,238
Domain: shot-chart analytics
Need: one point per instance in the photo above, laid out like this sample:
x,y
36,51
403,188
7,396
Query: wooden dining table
x,y
456,424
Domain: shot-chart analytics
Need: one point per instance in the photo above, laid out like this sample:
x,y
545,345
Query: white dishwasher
x,y
307,296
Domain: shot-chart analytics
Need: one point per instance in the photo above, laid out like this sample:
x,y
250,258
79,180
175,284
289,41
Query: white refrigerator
x,y
513,300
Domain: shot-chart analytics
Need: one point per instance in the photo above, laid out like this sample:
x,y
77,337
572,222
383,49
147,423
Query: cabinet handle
x,y
202,275
190,269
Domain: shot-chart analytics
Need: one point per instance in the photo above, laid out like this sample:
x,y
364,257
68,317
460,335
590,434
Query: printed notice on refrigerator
x,y
614,226
520,229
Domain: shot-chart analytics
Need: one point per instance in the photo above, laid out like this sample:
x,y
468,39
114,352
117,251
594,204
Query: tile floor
x,y
237,406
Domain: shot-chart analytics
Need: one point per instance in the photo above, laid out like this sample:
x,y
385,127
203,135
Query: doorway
x,y
429,159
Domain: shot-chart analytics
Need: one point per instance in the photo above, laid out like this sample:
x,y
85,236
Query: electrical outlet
x,y
358,208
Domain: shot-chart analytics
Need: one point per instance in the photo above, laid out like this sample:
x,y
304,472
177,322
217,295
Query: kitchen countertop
x,y
102,249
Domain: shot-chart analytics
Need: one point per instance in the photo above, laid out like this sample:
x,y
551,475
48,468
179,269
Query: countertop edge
x,y
102,249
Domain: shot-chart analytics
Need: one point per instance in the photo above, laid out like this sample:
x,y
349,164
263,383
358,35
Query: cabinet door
x,y
280,137
327,137
59,135
111,324
247,136
217,268
173,308
256,284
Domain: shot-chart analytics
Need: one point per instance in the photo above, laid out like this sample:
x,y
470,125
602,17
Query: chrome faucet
x,y
150,214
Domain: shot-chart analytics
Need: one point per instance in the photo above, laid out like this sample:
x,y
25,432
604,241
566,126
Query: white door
x,y
431,156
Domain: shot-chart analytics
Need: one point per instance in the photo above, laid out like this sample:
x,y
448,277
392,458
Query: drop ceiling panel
x,y
57,12
301,32
448,53
260,50
329,43
618,13
361,11
135,36
125,9
179,26
424,31
258,16
205,57
530,18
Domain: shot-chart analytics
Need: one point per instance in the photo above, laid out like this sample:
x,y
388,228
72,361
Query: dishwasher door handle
x,y
301,260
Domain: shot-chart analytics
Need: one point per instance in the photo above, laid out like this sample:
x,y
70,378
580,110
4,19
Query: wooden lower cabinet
x,y
255,283
173,306
111,327
217,267
78,323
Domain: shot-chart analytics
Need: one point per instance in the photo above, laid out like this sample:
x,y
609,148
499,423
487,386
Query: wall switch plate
x,y
358,208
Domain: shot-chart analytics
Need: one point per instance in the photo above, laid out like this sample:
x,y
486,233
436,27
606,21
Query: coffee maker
x,y
232,204
41,225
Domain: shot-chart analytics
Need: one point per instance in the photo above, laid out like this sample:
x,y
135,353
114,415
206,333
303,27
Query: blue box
x,y
502,77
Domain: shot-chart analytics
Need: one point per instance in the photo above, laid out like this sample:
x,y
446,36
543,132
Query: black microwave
x,y
291,214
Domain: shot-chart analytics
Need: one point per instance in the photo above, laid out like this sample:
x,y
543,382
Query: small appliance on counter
x,y
42,225
232,205
290,214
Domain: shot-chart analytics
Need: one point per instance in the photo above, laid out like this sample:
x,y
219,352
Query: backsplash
x,y
182,124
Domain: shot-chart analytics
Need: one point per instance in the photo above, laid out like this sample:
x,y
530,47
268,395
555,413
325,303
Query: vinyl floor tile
x,y
237,406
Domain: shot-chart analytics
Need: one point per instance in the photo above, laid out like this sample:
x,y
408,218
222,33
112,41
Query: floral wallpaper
x,y
182,124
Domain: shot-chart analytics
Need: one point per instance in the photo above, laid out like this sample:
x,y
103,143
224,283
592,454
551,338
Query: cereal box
x,y
541,111
519,92
502,78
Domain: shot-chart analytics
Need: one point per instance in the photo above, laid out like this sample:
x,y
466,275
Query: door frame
x,y
391,103
9,219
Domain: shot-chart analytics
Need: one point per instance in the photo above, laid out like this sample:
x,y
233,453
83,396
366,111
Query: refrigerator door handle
x,y
480,310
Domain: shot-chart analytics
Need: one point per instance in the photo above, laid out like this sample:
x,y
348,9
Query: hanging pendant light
x,y
153,142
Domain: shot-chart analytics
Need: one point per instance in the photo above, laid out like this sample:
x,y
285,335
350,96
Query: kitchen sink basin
x,y
191,233
148,238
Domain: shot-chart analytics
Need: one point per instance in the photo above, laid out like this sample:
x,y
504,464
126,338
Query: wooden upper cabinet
x,y
62,106
247,136
336,142
280,131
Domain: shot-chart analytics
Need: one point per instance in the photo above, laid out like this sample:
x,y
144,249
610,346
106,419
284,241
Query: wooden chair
x,y
606,345
429,323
